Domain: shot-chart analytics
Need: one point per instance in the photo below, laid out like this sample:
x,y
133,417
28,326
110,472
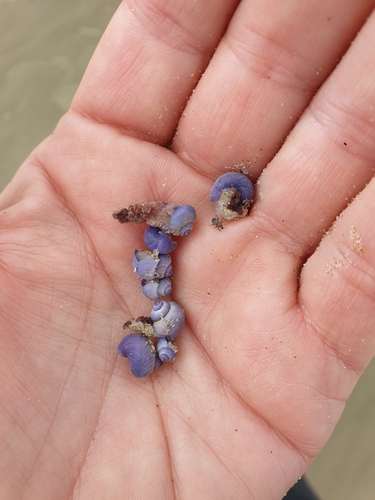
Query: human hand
x,y
278,328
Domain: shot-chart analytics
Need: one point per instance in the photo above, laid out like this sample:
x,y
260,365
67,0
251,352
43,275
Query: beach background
x,y
45,46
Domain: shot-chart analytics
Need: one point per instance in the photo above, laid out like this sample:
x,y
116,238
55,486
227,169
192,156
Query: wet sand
x,y
345,468
45,46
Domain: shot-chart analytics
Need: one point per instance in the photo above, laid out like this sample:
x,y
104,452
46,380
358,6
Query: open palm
x,y
278,328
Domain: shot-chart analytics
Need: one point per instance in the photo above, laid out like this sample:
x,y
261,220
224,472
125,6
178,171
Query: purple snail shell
x,y
181,221
157,240
155,289
141,354
168,319
166,350
236,180
150,265
168,217
232,194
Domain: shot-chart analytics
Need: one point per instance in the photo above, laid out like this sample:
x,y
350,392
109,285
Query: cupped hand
x,y
279,305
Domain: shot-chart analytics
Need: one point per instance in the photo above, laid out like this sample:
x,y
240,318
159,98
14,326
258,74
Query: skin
x,y
279,305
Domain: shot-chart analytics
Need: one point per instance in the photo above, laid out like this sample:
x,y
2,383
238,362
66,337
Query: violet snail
x,y
157,288
150,265
166,350
155,239
141,354
232,194
169,218
168,319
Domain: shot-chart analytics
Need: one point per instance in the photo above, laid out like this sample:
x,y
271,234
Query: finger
x,y
338,285
328,158
148,63
264,73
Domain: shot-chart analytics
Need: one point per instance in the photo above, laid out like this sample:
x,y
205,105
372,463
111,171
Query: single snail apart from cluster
x,y
232,194
153,340
167,217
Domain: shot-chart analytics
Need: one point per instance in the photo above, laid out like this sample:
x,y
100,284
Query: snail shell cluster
x,y
153,340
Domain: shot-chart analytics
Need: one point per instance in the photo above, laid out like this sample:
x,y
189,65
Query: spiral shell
x,y
166,350
168,217
181,221
168,319
232,194
155,289
157,240
141,354
150,265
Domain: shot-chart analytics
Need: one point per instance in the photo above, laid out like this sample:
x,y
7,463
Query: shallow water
x,y
45,46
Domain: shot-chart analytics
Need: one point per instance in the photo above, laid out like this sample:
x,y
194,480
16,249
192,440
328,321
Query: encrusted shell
x,y
168,319
151,265
168,217
232,194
